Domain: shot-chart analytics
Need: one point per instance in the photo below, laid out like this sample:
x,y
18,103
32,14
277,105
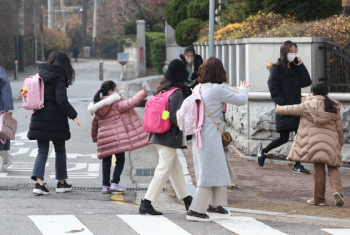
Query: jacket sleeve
x,y
175,102
62,99
340,131
94,128
274,84
295,110
5,92
304,76
125,105
227,96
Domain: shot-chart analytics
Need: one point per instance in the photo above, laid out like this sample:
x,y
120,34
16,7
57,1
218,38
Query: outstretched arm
x,y
295,110
125,105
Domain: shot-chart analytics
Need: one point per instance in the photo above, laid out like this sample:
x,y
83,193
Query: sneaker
x,y
338,199
299,169
105,189
40,189
5,166
116,188
311,202
218,210
62,188
261,157
195,216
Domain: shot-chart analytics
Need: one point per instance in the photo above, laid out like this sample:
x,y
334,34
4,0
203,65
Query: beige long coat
x,y
320,134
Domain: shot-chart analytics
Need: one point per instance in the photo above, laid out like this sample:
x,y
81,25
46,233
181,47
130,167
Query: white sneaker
x,y
5,166
338,199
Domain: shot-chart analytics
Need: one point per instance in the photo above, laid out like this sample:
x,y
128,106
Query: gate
x,y
337,66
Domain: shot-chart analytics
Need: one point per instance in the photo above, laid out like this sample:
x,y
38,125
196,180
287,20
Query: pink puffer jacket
x,y
116,127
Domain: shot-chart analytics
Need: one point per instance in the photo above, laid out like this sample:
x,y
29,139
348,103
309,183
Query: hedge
x,y
158,53
151,37
187,32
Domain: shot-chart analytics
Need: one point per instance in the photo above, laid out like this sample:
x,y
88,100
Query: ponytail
x,y
330,105
104,90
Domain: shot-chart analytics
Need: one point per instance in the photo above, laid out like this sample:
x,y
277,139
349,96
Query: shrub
x,y
151,37
235,11
187,32
158,53
176,11
54,40
198,9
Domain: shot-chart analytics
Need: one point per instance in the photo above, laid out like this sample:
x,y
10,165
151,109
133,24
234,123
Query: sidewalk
x,y
276,188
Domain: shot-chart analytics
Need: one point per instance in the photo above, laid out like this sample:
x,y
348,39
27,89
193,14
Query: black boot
x,y
188,201
146,207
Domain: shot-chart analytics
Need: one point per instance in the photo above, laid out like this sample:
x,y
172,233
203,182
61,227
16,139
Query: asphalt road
x,y
86,210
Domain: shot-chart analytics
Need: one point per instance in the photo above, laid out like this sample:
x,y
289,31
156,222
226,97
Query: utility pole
x,y
34,32
63,29
211,28
50,14
94,30
83,24
42,34
21,34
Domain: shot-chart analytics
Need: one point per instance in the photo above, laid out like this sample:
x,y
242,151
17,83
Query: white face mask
x,y
291,56
189,61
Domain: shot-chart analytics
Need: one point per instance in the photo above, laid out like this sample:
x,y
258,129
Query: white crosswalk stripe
x,y
153,225
59,224
337,231
159,225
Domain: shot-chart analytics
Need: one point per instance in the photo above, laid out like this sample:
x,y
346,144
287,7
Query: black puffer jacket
x,y
51,122
285,89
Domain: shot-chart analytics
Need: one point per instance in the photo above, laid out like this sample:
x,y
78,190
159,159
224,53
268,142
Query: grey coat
x,y
173,138
209,161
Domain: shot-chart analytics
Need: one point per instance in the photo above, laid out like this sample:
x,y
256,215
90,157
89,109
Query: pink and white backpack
x,y
191,114
33,93
156,118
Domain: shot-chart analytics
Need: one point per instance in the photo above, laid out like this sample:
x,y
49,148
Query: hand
x,y
299,61
10,112
144,88
244,84
78,121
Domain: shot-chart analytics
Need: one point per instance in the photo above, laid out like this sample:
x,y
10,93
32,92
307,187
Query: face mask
x,y
291,56
189,61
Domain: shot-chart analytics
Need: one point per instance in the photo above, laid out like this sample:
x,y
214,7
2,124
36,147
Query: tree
x,y
346,7
198,9
187,32
176,11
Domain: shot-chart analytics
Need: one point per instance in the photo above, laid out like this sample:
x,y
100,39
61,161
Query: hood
x,y
315,106
48,72
102,107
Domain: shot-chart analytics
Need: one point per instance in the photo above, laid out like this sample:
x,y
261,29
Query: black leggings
x,y
118,169
284,137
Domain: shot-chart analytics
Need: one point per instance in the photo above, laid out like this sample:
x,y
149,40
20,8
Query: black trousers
x,y
118,169
284,137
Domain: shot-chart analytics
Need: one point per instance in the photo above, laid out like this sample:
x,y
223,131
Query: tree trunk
x,y
346,7
83,24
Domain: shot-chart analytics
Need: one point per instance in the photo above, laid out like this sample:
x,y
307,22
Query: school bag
x,y
191,114
156,117
33,93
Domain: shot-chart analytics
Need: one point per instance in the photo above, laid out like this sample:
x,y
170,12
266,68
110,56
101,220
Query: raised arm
x,y
125,105
227,96
304,76
340,131
295,110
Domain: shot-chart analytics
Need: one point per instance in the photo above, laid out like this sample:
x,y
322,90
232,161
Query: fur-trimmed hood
x,y
102,107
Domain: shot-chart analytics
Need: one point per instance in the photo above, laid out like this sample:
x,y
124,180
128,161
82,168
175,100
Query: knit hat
x,y
176,71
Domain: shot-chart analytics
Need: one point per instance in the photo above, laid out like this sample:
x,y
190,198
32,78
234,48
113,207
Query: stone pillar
x,y
141,48
232,64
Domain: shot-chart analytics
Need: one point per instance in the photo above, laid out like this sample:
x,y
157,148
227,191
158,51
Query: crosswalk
x,y
159,225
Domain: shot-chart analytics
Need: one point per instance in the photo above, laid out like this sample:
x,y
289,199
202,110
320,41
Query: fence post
x,y
16,70
101,70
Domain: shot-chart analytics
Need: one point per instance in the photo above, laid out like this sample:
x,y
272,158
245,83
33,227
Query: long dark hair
x,y
60,59
106,86
285,47
166,85
321,89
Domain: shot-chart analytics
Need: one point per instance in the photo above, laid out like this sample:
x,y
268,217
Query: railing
x,y
337,66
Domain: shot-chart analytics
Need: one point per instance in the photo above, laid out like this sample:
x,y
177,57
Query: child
x,y
116,128
169,166
319,140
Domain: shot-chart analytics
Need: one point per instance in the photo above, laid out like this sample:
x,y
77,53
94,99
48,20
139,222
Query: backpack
x,y
191,114
33,93
156,117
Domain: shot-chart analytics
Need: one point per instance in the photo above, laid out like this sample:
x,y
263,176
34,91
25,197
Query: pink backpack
x,y
33,93
156,118
191,114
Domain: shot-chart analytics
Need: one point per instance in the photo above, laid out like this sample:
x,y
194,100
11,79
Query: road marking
x,y
59,224
245,225
94,167
153,225
337,231
21,151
